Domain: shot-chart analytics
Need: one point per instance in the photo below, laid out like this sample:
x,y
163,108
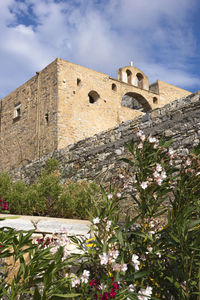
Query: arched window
x,y
155,100
140,80
114,87
129,76
93,96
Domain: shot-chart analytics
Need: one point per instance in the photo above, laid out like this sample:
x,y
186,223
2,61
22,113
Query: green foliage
x,y
47,196
154,255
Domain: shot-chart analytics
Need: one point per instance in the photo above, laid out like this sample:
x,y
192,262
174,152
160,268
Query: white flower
x,y
144,185
118,195
158,168
144,294
85,276
152,139
114,253
156,175
121,176
163,175
142,138
124,268
108,225
139,133
135,261
159,181
131,288
74,280
110,196
188,162
159,255
104,259
140,146
171,151
151,232
96,220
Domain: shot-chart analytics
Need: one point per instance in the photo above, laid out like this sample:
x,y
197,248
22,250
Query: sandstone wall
x,y
29,135
169,92
97,158
77,117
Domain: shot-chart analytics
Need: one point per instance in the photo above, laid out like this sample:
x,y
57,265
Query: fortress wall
x,y
97,158
169,92
28,136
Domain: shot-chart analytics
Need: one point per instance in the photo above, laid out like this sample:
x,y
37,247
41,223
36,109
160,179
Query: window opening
x,y
155,100
114,87
78,81
140,80
129,76
17,111
93,96
47,118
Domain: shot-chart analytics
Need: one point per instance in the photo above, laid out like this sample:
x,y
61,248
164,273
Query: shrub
x,y
135,259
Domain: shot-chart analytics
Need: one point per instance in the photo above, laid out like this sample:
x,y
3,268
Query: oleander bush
x,y
136,258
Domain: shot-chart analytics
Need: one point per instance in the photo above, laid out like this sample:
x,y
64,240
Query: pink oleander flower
x,y
5,206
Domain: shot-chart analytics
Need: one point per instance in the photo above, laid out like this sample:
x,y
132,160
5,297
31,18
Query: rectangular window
x,y
17,111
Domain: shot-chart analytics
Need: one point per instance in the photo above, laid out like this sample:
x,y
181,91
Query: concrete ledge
x,y
45,224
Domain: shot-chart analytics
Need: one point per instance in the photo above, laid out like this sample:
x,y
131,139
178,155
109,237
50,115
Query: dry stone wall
x,y
98,158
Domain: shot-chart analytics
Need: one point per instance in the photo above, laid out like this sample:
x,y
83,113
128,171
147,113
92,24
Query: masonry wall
x,y
97,158
30,135
77,117
169,92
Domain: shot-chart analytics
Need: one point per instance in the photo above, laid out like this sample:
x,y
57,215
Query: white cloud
x,y
103,35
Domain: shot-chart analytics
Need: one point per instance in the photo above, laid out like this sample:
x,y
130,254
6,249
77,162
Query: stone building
x,y
65,103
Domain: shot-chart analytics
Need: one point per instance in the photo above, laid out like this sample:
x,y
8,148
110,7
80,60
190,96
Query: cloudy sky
x,y
161,37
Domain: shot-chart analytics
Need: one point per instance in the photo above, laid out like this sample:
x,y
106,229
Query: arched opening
x,y
93,96
140,80
135,101
114,87
129,76
155,100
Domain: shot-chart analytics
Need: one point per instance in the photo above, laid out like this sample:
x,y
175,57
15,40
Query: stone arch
x,y
93,96
135,101
140,79
129,76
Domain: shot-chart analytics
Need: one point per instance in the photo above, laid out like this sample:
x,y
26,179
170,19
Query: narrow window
x,y
17,111
129,76
140,80
78,81
47,118
114,87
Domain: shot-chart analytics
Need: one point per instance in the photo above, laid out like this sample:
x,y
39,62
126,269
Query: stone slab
x,y
18,224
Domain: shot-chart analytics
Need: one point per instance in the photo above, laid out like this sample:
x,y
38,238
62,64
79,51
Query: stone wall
x,y
28,120
97,158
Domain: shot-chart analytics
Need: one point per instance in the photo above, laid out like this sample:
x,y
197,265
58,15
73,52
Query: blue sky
x,y
161,37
